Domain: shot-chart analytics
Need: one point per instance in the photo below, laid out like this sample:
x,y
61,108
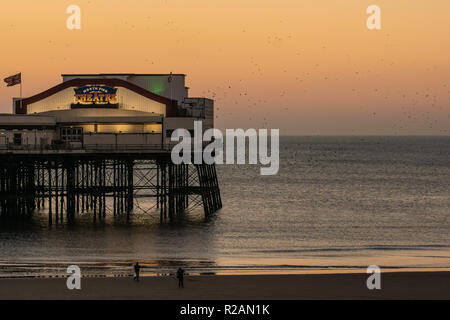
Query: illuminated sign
x,y
95,95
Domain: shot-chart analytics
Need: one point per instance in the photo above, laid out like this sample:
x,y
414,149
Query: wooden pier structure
x,y
70,182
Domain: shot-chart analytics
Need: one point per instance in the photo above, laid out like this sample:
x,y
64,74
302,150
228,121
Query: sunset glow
x,y
305,67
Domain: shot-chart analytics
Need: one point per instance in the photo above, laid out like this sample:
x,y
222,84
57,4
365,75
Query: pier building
x,y
101,142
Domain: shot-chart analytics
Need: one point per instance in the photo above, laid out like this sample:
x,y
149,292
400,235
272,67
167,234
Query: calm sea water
x,y
337,202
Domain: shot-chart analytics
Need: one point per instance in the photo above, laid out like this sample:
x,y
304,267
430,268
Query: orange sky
x,y
305,67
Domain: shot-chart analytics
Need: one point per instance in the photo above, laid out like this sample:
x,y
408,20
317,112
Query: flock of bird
x,y
297,77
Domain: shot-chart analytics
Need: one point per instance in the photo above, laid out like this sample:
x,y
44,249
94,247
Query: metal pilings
x,y
209,186
66,186
17,189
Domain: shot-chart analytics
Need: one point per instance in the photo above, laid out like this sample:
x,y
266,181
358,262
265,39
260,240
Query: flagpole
x,y
20,93
171,92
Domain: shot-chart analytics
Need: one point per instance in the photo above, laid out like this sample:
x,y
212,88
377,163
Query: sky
x,y
304,67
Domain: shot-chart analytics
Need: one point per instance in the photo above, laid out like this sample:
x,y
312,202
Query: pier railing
x,y
87,148
102,148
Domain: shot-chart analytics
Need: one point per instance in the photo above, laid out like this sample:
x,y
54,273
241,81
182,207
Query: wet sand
x,y
397,285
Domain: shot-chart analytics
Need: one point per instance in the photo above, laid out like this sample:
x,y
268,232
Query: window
x,y
72,134
17,139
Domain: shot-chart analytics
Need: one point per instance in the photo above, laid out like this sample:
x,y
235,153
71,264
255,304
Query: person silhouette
x,y
180,276
137,269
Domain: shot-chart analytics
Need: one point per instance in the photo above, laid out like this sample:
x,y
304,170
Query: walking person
x,y
180,276
137,269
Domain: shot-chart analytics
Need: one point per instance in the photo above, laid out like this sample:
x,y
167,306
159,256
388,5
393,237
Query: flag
x,y
170,78
13,80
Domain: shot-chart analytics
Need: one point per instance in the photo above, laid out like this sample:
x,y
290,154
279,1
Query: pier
x,y
101,144
103,180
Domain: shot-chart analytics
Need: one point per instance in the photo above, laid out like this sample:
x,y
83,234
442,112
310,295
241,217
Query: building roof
x,y
171,105
119,74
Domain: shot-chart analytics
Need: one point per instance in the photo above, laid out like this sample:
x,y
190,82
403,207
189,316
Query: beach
x,y
394,285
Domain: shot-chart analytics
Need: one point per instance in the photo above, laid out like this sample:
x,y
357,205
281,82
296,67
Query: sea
x,y
336,204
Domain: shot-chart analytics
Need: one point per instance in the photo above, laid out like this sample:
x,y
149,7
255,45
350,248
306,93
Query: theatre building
x,y
105,111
